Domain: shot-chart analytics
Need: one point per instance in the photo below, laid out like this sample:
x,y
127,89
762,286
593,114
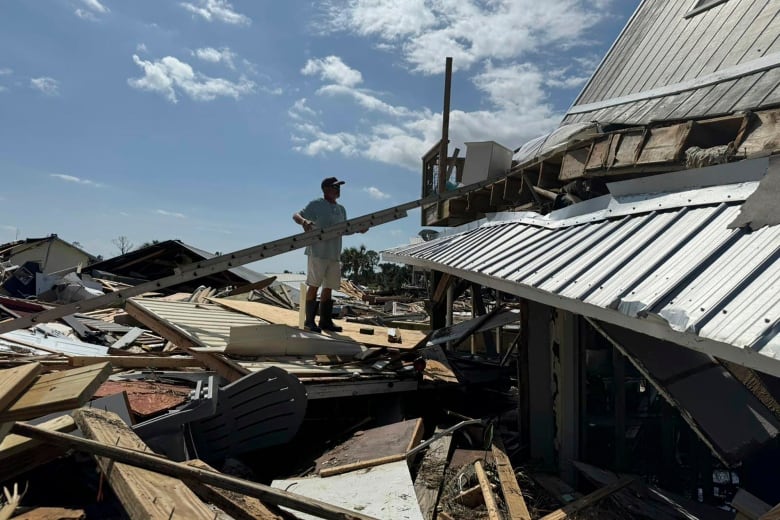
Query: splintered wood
x,y
144,494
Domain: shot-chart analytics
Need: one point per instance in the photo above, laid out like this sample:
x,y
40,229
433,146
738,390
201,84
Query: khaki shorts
x,y
323,273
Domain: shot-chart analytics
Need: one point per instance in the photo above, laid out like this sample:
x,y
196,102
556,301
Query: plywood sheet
x,y
409,338
384,491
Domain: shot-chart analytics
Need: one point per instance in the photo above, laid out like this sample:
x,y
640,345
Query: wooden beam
x,y
445,126
137,361
143,493
354,466
57,392
588,500
239,507
160,465
430,475
487,492
513,496
14,381
19,454
262,284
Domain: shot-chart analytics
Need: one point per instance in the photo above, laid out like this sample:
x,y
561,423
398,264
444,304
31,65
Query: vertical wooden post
x,y
445,127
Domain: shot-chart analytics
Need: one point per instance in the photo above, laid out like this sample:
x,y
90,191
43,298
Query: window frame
x,y
699,6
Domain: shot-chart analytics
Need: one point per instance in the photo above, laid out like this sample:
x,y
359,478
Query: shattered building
x,y
618,361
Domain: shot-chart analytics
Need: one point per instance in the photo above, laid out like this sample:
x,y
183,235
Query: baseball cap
x,y
331,182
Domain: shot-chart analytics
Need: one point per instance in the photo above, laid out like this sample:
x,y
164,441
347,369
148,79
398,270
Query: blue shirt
x,y
325,214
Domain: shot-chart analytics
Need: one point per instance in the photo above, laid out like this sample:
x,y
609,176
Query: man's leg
x,y
311,309
333,277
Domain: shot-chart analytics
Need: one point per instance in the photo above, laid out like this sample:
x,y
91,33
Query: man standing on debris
x,y
324,264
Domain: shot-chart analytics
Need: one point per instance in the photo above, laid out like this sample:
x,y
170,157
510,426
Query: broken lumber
x,y
166,467
370,463
57,392
588,500
137,361
487,492
513,496
19,454
238,506
427,484
144,494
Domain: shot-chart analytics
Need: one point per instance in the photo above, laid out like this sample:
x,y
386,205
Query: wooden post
x,y
175,469
445,127
487,492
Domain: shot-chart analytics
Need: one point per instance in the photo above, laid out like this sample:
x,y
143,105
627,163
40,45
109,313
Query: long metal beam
x,y
227,261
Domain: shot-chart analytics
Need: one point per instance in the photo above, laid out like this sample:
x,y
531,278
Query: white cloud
x,y
217,10
512,51
169,76
170,213
300,110
334,70
77,180
376,193
141,47
93,9
46,85
468,30
5,71
213,55
518,111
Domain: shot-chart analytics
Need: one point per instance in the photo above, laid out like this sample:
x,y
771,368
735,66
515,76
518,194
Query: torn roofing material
x,y
665,264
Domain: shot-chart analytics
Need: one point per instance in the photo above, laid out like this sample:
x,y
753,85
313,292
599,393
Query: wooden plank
x,y
588,500
19,454
238,506
487,492
391,440
256,286
52,513
513,496
161,465
129,337
136,361
430,475
57,392
143,493
346,468
749,505
14,381
409,338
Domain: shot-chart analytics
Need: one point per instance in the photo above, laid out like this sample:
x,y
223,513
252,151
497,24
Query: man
x,y
324,263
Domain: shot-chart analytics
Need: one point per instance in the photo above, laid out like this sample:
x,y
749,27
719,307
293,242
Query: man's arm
x,y
307,224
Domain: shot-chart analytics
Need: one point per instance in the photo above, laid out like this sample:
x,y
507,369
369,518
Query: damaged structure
x,y
619,359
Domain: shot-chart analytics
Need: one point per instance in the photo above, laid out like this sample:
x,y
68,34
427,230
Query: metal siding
x,y
672,44
738,91
717,37
753,21
662,47
683,265
717,93
766,83
625,47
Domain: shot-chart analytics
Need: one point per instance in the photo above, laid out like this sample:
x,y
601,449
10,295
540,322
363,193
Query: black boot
x,y
326,317
311,312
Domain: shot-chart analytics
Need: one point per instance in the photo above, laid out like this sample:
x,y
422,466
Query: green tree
x,y
359,264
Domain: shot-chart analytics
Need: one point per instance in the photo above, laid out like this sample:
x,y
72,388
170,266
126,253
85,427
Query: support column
x,y
567,390
541,420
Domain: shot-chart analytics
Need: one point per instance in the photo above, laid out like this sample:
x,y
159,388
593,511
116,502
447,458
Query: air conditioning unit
x,y
484,160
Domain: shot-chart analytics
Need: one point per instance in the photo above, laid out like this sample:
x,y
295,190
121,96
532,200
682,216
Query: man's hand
x,y
308,225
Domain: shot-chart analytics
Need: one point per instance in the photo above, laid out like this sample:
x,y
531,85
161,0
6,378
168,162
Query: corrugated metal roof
x,y
644,258
679,65
207,324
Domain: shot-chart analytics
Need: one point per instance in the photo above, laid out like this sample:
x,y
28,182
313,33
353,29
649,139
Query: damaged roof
x,y
658,256
674,62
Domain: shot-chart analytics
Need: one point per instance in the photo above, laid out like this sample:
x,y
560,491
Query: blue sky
x,y
213,121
